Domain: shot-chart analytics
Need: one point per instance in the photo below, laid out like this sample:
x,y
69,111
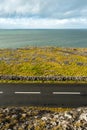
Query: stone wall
x,y
43,78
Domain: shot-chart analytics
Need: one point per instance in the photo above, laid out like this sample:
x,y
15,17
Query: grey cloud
x,y
63,9
57,9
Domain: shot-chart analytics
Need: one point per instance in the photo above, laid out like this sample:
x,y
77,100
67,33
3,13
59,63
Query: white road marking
x,y
1,92
27,92
66,93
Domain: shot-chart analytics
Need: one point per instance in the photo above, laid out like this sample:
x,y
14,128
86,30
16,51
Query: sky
x,y
50,14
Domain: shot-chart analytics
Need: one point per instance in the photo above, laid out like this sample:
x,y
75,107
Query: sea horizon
x,y
17,38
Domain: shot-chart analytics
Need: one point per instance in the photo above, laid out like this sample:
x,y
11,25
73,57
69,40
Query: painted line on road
x,y
27,92
1,92
66,93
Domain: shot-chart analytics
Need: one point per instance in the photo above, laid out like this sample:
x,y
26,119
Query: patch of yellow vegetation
x,y
40,81
53,109
45,61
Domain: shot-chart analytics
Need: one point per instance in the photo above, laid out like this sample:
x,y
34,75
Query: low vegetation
x,y
43,61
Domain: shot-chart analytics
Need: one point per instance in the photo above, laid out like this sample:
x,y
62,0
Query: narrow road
x,y
62,95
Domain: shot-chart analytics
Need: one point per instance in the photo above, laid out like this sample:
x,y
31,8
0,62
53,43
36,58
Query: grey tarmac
x,y
43,94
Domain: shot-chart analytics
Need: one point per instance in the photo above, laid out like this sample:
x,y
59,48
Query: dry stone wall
x,y
43,78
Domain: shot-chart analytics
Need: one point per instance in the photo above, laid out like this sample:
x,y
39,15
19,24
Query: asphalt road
x,y
62,95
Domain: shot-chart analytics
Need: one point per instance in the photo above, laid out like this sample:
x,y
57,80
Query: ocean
x,y
17,38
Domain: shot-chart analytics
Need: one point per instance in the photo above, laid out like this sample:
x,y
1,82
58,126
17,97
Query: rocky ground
x,y
34,118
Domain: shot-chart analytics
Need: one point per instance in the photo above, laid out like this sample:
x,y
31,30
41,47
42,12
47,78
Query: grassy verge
x,y
56,82
53,109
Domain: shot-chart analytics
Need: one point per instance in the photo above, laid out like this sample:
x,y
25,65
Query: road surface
x,y
62,95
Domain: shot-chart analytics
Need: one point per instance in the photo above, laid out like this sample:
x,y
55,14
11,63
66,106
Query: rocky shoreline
x,y
31,118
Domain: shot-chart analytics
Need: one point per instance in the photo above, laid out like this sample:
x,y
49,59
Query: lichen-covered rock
x,y
34,118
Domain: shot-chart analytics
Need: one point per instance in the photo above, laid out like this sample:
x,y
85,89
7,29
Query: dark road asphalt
x,y
62,95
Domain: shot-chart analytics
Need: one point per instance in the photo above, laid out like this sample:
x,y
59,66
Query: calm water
x,y
60,38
